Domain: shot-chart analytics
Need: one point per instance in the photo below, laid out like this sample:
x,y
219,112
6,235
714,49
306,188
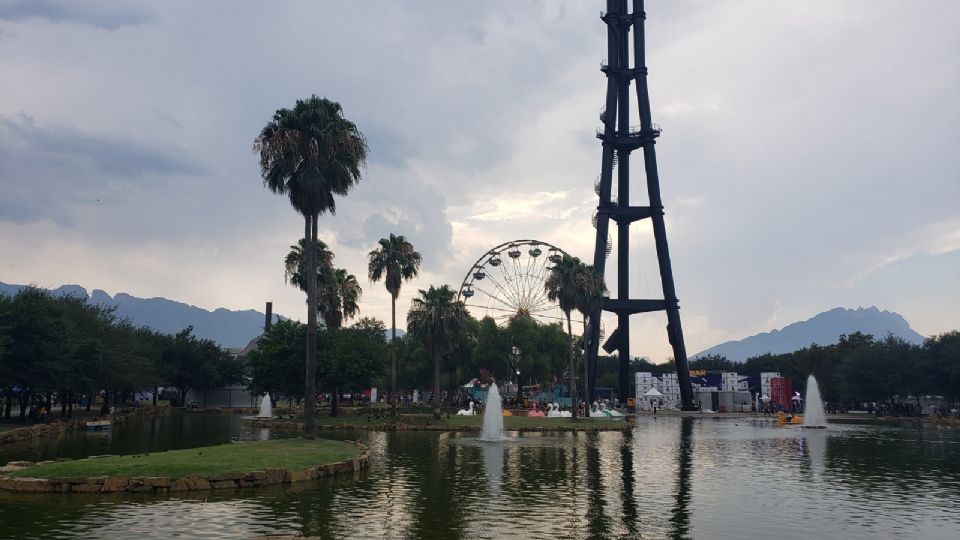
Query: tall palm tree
x,y
592,289
563,285
311,153
395,261
436,318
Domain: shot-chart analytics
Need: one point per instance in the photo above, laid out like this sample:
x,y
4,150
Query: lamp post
x,y
516,358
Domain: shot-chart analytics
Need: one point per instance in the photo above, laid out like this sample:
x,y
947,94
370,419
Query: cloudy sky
x,y
809,157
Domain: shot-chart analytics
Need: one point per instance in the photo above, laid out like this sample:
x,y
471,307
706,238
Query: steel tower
x,y
619,139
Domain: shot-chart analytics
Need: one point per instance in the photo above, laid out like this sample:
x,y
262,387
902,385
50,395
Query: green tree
x,y
354,357
295,264
943,361
36,324
197,364
436,317
339,298
591,292
311,153
564,285
395,261
275,365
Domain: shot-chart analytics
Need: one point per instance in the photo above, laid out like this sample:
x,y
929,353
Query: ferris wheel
x,y
507,281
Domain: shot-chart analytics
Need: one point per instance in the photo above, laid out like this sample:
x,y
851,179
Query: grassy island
x,y
289,454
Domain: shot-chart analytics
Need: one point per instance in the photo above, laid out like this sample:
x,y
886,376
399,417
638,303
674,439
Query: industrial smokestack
x,y
269,321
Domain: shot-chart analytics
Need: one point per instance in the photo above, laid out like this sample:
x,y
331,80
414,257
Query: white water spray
x,y
493,416
813,416
266,408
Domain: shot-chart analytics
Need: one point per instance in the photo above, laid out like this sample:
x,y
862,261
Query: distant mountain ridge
x,y
231,329
823,329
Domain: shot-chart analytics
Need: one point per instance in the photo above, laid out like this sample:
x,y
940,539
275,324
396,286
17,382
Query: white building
x,y
732,382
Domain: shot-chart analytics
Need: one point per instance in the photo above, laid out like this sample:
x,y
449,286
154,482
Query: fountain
x,y
813,417
266,409
493,417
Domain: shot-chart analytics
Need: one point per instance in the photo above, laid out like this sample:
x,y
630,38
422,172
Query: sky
x,y
808,158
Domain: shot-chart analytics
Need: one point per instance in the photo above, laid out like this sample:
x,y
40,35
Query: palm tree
x,y
311,153
338,297
564,286
592,290
436,318
397,261
295,264
338,293
338,301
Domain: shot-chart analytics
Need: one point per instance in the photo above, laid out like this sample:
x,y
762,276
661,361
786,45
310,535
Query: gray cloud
x,y
784,185
47,168
105,14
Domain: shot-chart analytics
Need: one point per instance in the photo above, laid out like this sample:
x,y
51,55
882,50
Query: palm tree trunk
x,y
573,367
393,355
310,388
436,384
586,366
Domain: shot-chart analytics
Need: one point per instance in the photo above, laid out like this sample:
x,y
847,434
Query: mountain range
x,y
231,329
823,329
235,329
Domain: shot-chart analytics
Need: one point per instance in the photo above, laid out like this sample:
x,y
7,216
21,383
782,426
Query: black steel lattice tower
x,y
619,139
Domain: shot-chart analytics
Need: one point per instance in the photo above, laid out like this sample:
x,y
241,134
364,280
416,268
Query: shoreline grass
x,y
290,454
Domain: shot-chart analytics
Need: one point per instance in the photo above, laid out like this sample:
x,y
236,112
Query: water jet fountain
x,y
813,416
493,417
266,408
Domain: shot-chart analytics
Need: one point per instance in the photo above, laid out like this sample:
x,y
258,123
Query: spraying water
x,y
813,417
266,409
493,416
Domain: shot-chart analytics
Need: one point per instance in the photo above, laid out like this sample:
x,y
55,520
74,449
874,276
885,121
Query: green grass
x,y
290,454
9,427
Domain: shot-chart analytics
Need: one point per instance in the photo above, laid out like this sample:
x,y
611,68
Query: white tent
x,y
651,398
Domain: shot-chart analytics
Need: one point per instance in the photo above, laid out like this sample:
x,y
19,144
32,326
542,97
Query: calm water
x,y
669,478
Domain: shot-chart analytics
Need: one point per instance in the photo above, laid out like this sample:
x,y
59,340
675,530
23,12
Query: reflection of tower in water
x,y
626,486
680,514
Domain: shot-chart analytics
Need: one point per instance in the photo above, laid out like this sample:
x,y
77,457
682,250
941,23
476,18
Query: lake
x,y
670,477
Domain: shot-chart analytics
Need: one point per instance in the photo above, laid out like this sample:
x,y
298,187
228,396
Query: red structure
x,y
781,392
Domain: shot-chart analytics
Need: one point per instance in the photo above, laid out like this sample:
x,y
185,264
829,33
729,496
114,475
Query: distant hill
x,y
823,329
232,329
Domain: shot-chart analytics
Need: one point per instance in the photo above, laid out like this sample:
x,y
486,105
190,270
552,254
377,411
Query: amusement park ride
x,y
508,280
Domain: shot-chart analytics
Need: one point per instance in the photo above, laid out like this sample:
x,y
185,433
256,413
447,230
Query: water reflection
x,y
752,480
628,505
493,465
680,513
816,444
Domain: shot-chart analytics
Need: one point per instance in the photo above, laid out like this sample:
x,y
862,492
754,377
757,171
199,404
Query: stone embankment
x,y
59,427
159,485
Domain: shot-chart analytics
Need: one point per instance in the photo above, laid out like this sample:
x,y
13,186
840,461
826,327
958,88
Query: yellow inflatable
x,y
795,419
507,413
